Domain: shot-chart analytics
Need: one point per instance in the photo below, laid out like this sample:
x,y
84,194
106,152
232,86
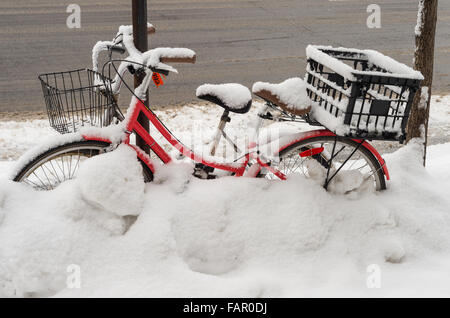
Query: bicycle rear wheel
x,y
57,165
353,168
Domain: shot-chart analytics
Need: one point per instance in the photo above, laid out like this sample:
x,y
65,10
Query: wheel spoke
x,y
56,173
60,165
43,184
340,156
49,182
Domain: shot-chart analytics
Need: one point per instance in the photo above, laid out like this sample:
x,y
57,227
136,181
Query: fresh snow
x,y
232,237
335,120
235,96
420,16
332,63
245,238
291,92
154,55
99,47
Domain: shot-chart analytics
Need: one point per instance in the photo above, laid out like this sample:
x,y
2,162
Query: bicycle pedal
x,y
203,172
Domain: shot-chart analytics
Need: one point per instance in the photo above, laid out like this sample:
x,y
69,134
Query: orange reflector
x,y
157,79
311,152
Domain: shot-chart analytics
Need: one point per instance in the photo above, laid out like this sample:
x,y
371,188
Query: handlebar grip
x,y
178,59
160,71
117,48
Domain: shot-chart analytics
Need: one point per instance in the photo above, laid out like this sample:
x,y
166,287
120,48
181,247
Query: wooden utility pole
x,y
139,12
423,62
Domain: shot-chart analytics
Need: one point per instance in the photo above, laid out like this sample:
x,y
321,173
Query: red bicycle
x,y
344,162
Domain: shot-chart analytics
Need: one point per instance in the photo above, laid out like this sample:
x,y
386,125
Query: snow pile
x,y
236,237
235,96
42,233
291,92
115,182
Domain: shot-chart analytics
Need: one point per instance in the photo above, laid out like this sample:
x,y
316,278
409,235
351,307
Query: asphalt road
x,y
236,41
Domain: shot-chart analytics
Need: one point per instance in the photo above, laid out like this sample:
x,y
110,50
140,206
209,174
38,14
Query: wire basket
x,y
360,93
78,98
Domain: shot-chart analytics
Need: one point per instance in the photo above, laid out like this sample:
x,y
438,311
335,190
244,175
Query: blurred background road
x,y
235,40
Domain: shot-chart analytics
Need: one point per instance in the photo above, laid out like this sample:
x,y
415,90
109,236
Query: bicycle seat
x,y
289,95
233,97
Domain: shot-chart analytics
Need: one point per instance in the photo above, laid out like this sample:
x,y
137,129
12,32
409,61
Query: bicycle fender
x,y
286,141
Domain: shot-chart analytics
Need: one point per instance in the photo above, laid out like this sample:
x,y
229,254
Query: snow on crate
x,y
391,66
235,96
291,92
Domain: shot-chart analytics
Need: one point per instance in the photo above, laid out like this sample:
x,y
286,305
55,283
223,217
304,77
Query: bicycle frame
x,y
238,168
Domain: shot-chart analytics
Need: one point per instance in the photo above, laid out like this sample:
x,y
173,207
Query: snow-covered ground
x,y
229,237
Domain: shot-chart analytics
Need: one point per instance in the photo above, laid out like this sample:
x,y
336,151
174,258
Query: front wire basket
x,y
78,98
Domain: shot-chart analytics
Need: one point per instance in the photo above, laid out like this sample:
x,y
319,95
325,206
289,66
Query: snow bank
x,y
230,237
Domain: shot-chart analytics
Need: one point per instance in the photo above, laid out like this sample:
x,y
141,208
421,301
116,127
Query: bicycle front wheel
x,y
339,164
57,165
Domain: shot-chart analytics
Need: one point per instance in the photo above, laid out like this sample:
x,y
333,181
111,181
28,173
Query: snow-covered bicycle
x,y
358,95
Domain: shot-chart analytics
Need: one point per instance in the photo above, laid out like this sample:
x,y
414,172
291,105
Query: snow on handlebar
x,y
154,58
124,36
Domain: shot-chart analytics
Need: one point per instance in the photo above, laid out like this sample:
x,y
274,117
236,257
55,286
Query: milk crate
x,y
360,93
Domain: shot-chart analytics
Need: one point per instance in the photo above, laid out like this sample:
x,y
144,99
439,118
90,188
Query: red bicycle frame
x,y
133,124
238,168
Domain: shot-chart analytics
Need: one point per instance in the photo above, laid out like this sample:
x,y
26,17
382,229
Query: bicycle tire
x,y
80,147
373,162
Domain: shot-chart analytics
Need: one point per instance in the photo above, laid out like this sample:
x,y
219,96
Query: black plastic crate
x,y
360,93
77,98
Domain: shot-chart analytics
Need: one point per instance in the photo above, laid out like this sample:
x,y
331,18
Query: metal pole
x,y
139,12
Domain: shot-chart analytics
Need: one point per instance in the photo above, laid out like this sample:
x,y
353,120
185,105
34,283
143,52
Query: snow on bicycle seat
x,y
233,97
289,95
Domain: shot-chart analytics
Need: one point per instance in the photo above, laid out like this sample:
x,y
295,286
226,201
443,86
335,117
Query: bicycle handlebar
x,y
123,42
116,48
154,59
191,59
